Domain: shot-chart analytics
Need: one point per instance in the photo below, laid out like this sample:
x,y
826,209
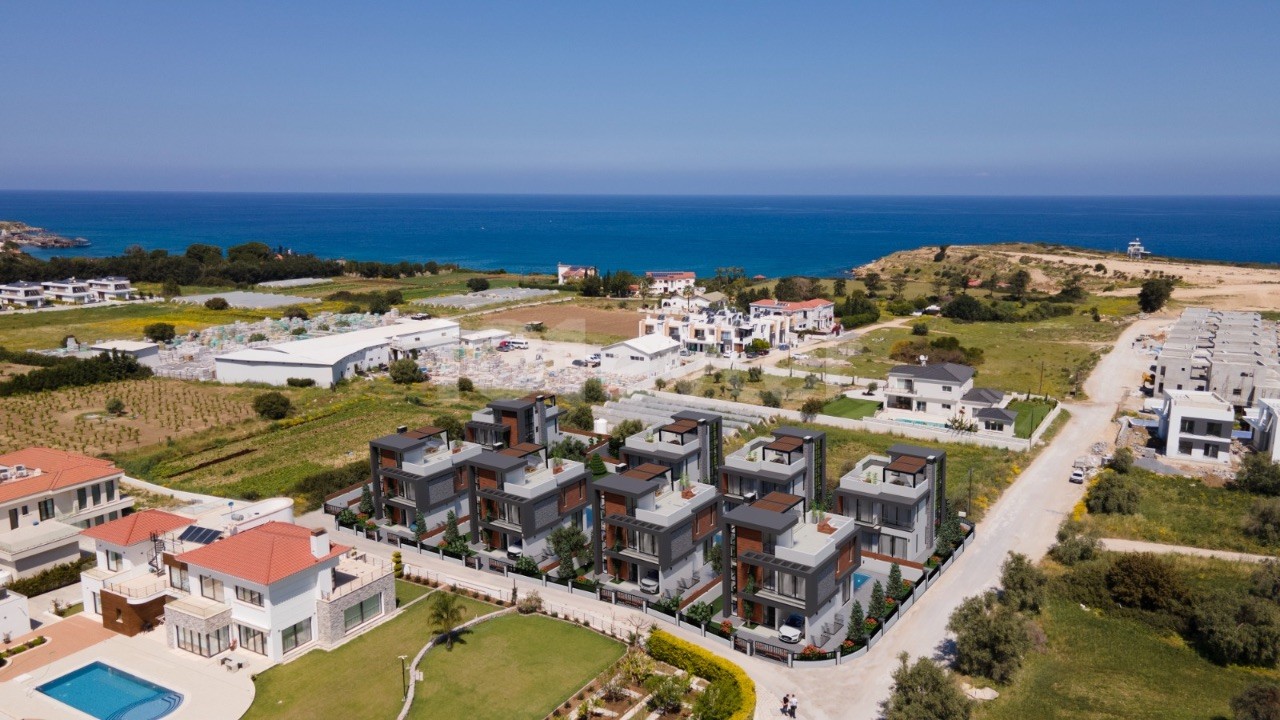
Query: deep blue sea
x,y
765,235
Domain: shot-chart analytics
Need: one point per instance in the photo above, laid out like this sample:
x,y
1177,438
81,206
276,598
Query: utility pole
x,y
1042,378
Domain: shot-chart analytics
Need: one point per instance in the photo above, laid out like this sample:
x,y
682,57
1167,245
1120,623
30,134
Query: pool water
x,y
106,693
859,580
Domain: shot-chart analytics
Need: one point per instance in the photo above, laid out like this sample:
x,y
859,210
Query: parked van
x,y
516,344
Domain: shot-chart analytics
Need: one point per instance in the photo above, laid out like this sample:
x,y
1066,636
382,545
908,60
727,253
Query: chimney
x,y
541,410
319,542
810,472
704,450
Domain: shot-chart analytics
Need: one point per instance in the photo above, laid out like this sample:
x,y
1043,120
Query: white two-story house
x,y
1196,425
21,293
941,392
71,290
670,282
112,287
275,589
810,316
47,497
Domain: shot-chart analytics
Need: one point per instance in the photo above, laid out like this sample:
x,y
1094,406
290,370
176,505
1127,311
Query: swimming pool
x,y
106,693
925,423
859,580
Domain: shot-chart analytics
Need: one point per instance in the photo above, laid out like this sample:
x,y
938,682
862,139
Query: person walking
x,y
795,703
786,704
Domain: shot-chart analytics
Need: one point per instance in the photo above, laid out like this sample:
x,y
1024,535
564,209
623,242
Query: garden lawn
x,y
1098,667
790,390
407,591
1030,414
848,407
1182,511
360,679
510,668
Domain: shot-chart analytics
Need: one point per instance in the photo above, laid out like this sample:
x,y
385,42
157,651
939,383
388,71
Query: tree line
x,y
74,372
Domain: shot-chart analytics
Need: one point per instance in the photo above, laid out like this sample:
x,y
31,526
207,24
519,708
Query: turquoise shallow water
x,y
766,235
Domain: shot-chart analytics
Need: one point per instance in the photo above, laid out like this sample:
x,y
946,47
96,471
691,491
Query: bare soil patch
x,y
564,318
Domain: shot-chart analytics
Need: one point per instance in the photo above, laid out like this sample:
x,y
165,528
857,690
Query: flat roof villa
x,y
518,496
419,473
719,330
330,358
47,497
655,531
22,293
71,290
894,501
791,461
779,562
691,443
816,315
1196,425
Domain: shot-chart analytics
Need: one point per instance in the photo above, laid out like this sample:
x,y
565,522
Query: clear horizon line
x,y
641,194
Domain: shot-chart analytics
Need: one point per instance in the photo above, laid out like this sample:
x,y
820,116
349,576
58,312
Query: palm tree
x,y
446,615
688,292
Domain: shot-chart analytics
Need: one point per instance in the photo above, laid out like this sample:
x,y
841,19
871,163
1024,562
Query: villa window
x,y
113,560
946,406
642,542
211,588
204,644
252,639
1211,450
1187,426
179,579
1184,447
82,498
361,612
111,492
46,509
97,495
946,388
295,636
1214,429
788,585
245,595
894,546
992,425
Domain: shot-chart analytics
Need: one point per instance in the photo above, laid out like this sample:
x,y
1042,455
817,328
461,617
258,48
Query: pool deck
x,y
66,637
210,692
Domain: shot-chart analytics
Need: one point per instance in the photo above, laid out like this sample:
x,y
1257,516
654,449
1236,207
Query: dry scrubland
x,y
566,322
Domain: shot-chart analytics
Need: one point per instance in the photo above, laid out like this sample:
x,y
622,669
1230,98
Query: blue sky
x,y
816,98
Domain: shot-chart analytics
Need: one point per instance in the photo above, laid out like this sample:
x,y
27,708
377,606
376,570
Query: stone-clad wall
x,y
174,620
329,614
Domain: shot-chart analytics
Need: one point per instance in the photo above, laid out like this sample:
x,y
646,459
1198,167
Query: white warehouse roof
x,y
652,344
332,349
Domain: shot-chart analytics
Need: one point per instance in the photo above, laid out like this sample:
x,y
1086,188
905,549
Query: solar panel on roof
x,y
199,535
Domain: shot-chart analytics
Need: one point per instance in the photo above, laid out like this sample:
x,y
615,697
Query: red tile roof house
x,y
129,586
274,590
46,497
815,316
667,282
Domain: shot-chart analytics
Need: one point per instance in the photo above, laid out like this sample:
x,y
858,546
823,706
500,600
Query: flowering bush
x,y
811,651
726,627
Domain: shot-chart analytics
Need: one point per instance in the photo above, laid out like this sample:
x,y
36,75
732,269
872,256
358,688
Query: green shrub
x,y
296,312
769,398
593,391
1074,548
1263,521
1022,583
217,303
705,664
272,405
1122,460
405,371
1114,494
1258,475
159,332
58,576
1241,630
1146,581
465,385
991,638
1257,702
300,382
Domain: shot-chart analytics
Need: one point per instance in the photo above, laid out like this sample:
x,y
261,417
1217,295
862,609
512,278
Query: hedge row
x,y
58,576
705,664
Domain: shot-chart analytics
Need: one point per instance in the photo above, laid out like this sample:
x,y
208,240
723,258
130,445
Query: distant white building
x,y
1138,251
334,357
700,302
573,273
722,332
1264,418
647,355
147,353
112,287
1232,354
1196,425
815,315
22,293
71,291
670,282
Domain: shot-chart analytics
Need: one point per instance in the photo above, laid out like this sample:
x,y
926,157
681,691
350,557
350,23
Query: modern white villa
x,y
721,332
670,282
47,497
21,293
1196,425
816,316
70,291
112,287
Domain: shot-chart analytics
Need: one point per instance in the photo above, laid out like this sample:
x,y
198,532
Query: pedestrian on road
x,y
795,703
786,704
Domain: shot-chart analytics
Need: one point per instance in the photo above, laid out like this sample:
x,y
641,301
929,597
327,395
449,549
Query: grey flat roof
x,y
397,441
514,404
629,486
696,415
761,519
789,431
497,461
914,450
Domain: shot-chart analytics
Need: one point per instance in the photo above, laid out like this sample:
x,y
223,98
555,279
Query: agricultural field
x,y
1047,357
565,322
1182,511
48,329
327,430
155,410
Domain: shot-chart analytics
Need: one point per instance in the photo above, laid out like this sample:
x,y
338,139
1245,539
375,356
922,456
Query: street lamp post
x,y
404,682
